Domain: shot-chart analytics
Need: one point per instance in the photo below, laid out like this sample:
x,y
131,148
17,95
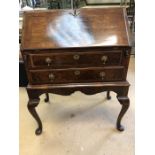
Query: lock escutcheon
x,y
77,72
76,57
48,60
51,76
102,75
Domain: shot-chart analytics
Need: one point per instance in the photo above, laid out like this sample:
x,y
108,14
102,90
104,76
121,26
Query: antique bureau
x,y
97,67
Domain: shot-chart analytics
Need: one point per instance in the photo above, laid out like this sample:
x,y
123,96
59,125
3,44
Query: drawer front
x,y
76,59
77,75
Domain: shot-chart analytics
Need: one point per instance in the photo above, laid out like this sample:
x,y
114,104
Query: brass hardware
x,y
76,57
51,76
104,59
102,75
48,61
77,72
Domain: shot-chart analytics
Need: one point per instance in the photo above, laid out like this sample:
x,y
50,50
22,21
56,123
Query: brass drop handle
x,y
77,73
51,77
102,75
76,57
104,59
48,60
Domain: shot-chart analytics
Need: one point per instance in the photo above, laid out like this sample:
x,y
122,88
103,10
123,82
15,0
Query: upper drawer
x,y
76,59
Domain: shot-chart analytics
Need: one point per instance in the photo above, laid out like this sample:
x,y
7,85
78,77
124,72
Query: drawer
x,y
76,75
74,59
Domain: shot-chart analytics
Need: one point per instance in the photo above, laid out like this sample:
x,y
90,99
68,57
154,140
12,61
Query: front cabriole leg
x,y
124,101
47,97
32,104
108,95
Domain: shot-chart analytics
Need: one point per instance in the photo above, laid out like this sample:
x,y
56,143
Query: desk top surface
x,y
52,29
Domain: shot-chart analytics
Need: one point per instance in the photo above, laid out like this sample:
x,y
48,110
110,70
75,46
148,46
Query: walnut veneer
x,y
101,66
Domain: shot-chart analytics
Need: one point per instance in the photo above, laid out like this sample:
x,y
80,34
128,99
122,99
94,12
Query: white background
x,y
145,77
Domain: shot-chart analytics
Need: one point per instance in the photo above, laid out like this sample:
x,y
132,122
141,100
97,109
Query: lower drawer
x,y
76,75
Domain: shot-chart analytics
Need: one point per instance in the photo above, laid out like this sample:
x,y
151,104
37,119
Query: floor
x,y
78,124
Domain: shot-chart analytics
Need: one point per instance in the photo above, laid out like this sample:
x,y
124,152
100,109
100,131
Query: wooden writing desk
x,y
53,67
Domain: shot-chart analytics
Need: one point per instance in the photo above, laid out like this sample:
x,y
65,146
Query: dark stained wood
x,y
107,26
120,88
108,95
124,101
79,85
68,59
75,75
47,97
31,107
101,66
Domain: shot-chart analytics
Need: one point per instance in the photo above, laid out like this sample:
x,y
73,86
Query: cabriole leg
x,y
32,104
108,95
47,97
124,101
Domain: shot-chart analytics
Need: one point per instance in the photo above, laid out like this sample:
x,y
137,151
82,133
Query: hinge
x,y
127,53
